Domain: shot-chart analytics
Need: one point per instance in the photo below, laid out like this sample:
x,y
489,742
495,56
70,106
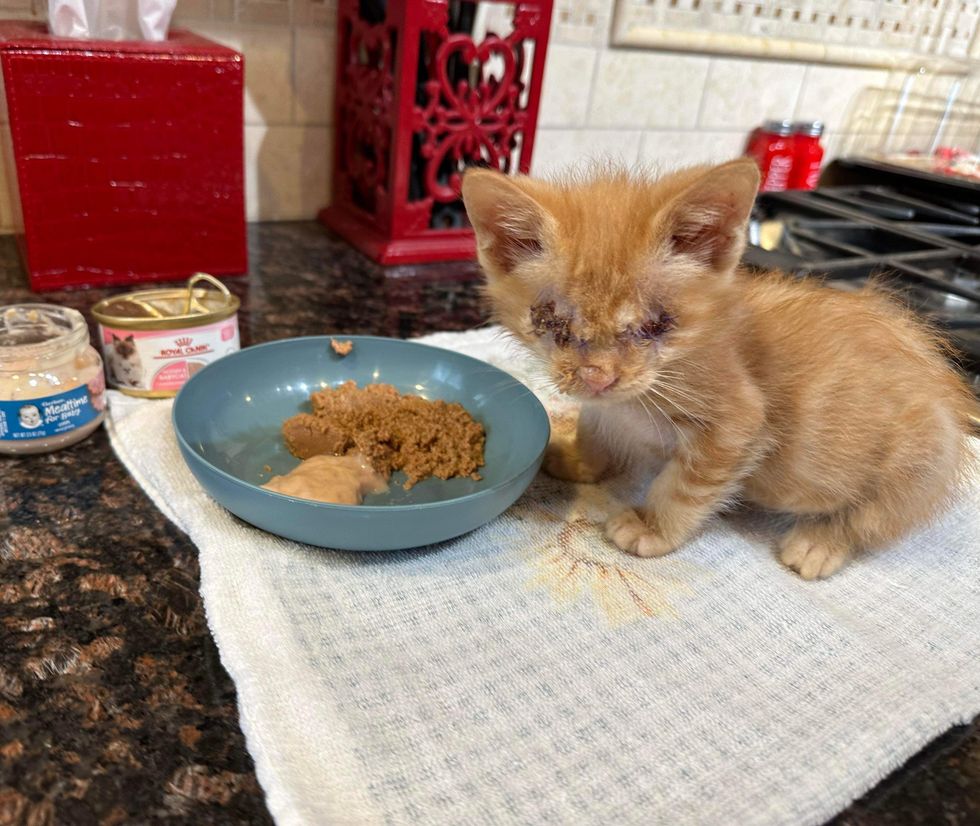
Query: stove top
x,y
917,235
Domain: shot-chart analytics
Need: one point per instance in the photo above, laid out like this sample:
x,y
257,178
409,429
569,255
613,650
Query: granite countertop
x,y
114,706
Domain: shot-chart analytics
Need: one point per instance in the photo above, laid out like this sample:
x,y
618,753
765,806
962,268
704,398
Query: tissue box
x,y
127,157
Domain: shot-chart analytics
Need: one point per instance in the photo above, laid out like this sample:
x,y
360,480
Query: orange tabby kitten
x,y
836,407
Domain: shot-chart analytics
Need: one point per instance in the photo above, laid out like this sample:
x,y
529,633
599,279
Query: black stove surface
x,y
917,236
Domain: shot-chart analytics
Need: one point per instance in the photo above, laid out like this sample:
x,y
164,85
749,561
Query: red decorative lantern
x,y
424,89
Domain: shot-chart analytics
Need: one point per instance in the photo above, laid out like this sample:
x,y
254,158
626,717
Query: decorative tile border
x,y
882,33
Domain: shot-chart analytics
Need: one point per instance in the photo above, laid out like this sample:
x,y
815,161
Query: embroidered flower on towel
x,y
576,562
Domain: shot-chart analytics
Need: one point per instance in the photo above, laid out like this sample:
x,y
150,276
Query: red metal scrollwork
x,y
418,98
366,105
471,123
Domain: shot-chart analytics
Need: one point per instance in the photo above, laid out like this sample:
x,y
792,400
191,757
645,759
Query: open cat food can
x,y
153,341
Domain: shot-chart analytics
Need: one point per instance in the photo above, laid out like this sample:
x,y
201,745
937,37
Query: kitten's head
x,y
610,278
125,347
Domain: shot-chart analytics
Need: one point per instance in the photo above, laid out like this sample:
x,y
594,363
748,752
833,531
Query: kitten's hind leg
x,y
816,548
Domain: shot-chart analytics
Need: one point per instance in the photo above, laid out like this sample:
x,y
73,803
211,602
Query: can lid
x,y
812,128
778,127
166,309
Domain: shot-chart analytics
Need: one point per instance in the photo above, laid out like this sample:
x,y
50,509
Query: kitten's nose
x,y
595,378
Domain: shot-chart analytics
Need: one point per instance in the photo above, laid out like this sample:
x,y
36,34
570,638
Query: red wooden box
x,y
127,157
421,94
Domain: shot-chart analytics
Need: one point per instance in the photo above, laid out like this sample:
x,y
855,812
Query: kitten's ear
x,y
115,337
510,225
130,338
707,220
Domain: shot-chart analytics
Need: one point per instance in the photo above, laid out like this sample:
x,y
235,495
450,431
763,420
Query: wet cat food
x,y
52,393
393,432
340,480
153,341
341,348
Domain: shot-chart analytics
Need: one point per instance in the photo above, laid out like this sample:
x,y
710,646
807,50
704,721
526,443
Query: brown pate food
x,y
393,432
341,348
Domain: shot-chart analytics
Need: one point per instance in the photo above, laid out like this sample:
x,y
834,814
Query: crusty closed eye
x,y
546,320
651,329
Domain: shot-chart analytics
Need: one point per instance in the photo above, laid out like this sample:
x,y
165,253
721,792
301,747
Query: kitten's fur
x,y
837,407
124,363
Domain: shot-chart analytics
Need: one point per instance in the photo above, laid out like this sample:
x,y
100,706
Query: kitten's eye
x,y
651,329
544,321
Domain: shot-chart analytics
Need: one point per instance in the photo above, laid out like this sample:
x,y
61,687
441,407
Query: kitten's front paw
x,y
562,460
631,534
812,557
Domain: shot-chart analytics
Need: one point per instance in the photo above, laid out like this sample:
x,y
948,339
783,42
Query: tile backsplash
x,y
632,105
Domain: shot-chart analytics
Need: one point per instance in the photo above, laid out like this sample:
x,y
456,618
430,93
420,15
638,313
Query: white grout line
x,y
704,93
592,83
293,75
799,92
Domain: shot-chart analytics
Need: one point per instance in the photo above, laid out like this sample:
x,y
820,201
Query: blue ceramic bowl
x,y
228,417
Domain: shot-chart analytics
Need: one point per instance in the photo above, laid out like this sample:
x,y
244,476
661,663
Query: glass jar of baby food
x,y
52,389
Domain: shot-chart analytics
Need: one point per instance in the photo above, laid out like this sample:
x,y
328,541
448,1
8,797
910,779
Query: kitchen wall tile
x,y
315,12
223,10
268,69
556,150
831,92
581,22
740,94
287,171
896,78
925,95
840,145
635,89
567,80
835,145
314,66
8,184
914,107
189,11
24,8
673,149
491,17
871,109
963,133
262,11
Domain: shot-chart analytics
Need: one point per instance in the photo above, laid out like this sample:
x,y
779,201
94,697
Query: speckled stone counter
x,y
114,707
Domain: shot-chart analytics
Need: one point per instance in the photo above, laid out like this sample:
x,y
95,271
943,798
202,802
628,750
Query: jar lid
x,y
811,128
167,309
39,329
778,127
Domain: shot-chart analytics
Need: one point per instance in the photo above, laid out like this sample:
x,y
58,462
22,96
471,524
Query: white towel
x,y
530,673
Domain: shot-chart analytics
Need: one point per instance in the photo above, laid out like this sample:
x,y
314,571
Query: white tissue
x,y
111,19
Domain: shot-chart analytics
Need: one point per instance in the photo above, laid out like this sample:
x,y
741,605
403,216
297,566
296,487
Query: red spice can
x,y
772,148
807,155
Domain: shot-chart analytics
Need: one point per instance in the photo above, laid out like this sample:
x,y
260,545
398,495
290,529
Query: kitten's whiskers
x,y
652,418
675,404
653,401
